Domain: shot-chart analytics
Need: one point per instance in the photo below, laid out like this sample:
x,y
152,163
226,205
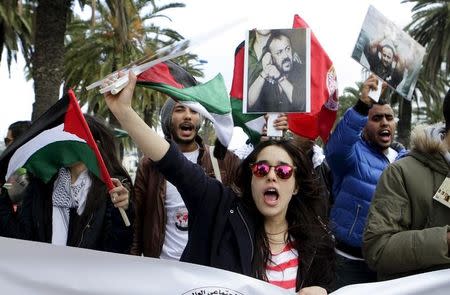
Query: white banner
x,y
435,282
40,268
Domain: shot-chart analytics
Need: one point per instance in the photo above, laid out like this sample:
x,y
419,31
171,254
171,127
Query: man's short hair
x,y
274,35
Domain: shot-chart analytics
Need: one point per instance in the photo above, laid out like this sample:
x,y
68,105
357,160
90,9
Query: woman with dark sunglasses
x,y
270,230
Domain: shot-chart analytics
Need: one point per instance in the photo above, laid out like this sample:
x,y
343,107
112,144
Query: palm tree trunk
x,y
48,56
404,122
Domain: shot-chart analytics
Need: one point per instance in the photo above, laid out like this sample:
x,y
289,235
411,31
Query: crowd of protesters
x,y
288,213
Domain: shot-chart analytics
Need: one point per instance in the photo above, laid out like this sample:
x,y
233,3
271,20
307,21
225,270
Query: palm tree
x,y
349,98
430,111
430,26
15,28
120,34
48,54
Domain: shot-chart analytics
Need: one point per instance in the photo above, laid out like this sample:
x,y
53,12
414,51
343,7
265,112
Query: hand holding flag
x,y
59,138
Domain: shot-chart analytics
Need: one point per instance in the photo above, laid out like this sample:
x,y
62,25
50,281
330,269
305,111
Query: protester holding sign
x,y
358,151
270,232
407,230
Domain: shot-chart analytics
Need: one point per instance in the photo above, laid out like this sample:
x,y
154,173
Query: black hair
x,y
274,35
307,225
18,128
107,145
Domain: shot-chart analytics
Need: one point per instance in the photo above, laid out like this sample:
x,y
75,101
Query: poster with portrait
x,y
443,193
277,71
389,52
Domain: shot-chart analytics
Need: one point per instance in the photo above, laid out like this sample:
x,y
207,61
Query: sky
x,y
336,25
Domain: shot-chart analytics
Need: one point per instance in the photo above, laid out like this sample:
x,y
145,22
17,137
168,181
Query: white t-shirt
x,y
391,154
176,236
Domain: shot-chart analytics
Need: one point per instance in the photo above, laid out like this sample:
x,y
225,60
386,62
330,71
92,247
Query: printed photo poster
x,y
388,52
277,75
443,193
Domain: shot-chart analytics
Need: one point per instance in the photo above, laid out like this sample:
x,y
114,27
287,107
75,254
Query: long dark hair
x,y
307,227
107,145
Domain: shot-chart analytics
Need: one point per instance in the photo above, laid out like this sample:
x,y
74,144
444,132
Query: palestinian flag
x,y
252,124
324,94
59,138
209,99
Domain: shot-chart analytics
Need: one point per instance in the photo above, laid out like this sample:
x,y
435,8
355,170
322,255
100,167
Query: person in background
x,y
161,227
75,208
162,219
15,130
20,179
407,231
358,151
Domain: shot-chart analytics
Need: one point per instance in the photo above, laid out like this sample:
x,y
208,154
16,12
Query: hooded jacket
x,y
406,230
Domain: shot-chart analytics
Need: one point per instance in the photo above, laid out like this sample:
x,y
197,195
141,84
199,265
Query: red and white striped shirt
x,y
281,270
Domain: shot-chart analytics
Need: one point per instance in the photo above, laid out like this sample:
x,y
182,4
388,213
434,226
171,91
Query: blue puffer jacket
x,y
356,166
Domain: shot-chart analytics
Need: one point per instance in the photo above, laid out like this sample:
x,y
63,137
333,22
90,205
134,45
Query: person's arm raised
x,y
149,142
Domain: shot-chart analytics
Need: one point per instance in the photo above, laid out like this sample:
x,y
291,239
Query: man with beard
x,y
358,151
384,62
408,230
278,86
161,224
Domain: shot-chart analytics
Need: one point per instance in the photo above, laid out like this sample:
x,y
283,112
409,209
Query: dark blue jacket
x,y
356,166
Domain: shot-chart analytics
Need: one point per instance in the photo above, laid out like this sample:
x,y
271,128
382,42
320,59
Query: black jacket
x,y
100,227
221,228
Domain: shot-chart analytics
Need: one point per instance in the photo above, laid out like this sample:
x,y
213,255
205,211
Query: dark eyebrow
x,y
382,115
277,163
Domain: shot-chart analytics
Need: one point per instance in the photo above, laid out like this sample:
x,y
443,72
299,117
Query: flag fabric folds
x,y
58,138
324,94
252,124
209,99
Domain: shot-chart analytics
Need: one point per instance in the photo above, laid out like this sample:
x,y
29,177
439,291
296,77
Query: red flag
x,y
161,73
324,94
75,123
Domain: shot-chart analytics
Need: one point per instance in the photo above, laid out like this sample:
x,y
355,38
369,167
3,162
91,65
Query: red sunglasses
x,y
261,169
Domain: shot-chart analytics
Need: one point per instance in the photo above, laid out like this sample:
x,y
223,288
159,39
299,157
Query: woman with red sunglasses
x,y
271,230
